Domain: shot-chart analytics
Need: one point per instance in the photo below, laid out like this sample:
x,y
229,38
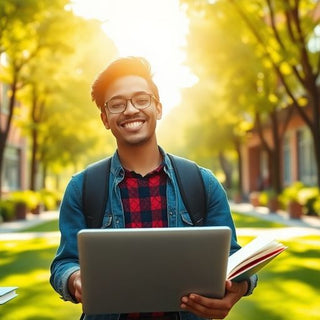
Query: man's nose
x,y
130,109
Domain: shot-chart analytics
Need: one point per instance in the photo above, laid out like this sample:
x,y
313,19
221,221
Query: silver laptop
x,y
150,269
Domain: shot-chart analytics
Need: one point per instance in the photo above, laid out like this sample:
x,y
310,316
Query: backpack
x,y
96,190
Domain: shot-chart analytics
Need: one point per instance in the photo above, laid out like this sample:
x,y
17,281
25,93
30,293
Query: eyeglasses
x,y
140,101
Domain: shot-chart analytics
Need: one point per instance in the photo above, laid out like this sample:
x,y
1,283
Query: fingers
x,y
205,307
214,308
78,288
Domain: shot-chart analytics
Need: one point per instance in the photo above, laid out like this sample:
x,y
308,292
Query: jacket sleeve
x,y
219,214
71,221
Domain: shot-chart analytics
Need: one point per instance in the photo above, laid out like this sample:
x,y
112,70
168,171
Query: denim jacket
x,y
72,220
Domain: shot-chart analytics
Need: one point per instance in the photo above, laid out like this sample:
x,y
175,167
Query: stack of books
x,y
7,293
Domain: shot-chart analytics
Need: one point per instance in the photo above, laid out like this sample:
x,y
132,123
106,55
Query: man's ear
x,y
159,110
104,119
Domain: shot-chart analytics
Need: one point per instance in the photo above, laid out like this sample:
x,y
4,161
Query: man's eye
x,y
141,100
117,104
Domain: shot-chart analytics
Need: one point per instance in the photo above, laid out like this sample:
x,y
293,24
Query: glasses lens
x,y
117,105
141,101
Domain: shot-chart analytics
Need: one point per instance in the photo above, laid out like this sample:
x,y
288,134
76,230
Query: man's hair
x,y
121,67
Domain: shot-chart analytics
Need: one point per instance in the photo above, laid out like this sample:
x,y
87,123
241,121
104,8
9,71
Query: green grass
x,y
245,221
25,263
289,287
240,220
44,227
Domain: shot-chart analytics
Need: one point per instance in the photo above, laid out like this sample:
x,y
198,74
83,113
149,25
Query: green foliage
x,y
253,59
265,196
291,193
48,68
308,197
28,197
49,198
6,209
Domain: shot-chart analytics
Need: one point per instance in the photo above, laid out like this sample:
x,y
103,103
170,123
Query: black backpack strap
x,y
96,186
191,188
95,192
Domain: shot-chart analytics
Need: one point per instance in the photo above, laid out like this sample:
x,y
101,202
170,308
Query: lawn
x,y
289,286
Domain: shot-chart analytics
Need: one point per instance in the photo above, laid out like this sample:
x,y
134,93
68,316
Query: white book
x,y
7,293
252,257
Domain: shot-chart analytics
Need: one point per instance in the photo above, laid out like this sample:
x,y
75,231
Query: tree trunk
x,y
5,131
36,115
276,154
315,129
34,162
227,169
44,176
239,164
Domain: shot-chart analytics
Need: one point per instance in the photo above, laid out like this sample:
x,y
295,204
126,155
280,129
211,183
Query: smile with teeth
x,y
133,125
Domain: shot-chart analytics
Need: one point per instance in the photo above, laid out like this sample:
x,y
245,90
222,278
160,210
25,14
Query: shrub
x,y
291,193
265,197
49,198
7,209
29,198
310,199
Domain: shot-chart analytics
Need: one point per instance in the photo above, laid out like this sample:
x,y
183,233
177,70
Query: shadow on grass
x,y
28,260
250,309
26,264
37,301
287,285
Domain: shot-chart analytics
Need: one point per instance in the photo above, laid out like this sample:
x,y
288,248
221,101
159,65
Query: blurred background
x,y
239,82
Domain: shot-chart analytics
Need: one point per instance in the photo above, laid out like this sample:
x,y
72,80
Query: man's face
x,y
132,126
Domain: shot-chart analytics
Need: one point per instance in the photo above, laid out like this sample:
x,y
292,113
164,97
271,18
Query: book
x,y
7,293
253,257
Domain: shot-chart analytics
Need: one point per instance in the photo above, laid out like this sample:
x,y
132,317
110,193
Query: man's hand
x,y
74,286
215,308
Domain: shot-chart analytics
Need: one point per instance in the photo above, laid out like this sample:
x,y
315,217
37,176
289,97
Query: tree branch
x,y
251,27
304,57
273,24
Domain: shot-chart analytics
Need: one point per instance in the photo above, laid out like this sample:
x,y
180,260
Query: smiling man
x,y
143,187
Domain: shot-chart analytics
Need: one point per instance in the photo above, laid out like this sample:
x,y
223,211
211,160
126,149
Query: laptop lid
x,y
150,269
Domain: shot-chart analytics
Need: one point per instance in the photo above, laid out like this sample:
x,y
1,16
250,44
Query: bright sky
x,y
154,29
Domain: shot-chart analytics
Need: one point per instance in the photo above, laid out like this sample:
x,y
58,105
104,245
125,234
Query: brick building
x,y
297,160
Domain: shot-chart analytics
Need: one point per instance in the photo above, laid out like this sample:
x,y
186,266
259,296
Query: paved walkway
x,y
307,225
12,230
292,227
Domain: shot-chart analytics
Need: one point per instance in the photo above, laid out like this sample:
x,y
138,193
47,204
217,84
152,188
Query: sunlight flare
x,y
154,29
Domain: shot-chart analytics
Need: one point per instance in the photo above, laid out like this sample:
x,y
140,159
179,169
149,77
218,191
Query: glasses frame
x,y
152,96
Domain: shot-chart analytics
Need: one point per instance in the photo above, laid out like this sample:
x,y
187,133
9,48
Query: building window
x,y
11,169
306,157
287,165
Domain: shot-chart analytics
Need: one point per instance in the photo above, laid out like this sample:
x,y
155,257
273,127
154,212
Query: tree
x,y
224,50
225,97
286,32
46,65
63,99
21,42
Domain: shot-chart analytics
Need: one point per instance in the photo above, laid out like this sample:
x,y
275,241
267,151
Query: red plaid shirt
x,y
144,199
145,206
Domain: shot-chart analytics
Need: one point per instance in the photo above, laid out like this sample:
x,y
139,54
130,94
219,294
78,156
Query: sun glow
x,y
154,29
